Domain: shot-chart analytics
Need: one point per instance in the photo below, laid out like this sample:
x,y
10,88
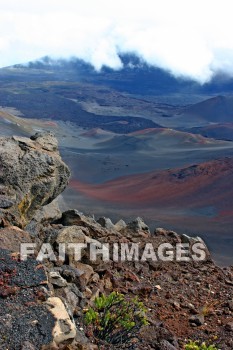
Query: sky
x,y
189,38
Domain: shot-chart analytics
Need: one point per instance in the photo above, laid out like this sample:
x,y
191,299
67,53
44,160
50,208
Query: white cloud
x,y
190,38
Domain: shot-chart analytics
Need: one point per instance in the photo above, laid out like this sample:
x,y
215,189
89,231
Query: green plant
x,y
114,319
193,345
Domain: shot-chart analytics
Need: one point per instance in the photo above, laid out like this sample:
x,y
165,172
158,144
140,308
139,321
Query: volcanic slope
x,y
196,185
217,109
99,156
197,199
220,131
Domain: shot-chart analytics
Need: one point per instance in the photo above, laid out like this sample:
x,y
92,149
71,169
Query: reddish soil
x,y
197,185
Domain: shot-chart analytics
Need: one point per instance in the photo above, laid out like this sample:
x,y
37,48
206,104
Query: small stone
x,y
138,226
230,304
5,202
198,320
57,280
192,240
35,322
95,293
27,346
186,239
71,234
71,298
230,283
88,293
120,225
71,274
108,284
95,278
159,231
229,327
85,273
176,304
106,223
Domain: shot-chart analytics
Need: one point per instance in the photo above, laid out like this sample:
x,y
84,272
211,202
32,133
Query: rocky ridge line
x,y
41,304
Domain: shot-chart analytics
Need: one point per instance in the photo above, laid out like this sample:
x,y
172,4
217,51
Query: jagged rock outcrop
x,y
138,226
106,223
32,174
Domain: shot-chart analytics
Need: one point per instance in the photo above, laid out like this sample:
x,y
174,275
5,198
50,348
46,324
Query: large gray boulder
x,y
32,174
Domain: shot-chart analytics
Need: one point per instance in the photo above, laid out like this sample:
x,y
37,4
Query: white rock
x,y
64,328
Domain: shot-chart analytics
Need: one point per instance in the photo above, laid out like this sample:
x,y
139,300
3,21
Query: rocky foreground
x,y
42,303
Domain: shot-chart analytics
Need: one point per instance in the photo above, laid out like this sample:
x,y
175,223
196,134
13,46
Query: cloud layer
x,y
189,38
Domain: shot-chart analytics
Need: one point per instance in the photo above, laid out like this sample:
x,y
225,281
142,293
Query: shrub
x,y
193,345
114,319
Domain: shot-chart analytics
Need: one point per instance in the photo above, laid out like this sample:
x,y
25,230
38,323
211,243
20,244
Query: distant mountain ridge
x,y
136,76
